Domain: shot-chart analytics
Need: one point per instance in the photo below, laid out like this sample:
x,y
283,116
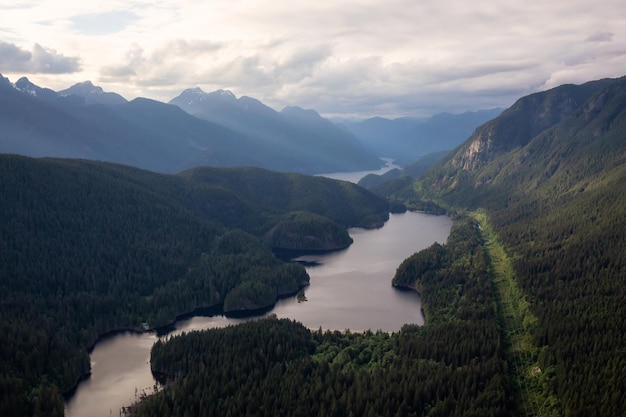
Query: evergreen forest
x,y
87,248
452,366
524,304
555,198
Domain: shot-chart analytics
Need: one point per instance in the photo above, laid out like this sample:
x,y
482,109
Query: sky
x,y
342,58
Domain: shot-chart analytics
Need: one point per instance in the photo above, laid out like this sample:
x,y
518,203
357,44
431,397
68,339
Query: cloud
x,y
133,61
40,61
13,58
47,61
601,36
215,64
366,86
120,72
394,58
301,63
175,57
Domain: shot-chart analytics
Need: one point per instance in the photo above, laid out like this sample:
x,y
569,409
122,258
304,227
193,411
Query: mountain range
x,y
303,134
83,121
214,129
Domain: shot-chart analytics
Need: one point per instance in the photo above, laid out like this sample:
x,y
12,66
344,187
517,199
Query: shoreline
x,y
214,310
203,311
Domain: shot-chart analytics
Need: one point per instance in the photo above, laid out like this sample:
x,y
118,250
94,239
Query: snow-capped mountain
x,y
26,86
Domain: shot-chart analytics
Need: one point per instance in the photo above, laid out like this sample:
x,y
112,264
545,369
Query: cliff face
x,y
524,120
552,135
481,148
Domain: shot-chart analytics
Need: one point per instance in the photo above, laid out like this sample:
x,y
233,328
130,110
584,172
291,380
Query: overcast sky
x,y
355,58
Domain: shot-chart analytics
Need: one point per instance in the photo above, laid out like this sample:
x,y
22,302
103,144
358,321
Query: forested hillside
x,y
452,366
555,195
340,201
88,247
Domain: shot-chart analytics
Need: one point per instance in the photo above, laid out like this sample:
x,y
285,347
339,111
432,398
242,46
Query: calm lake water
x,y
356,176
350,289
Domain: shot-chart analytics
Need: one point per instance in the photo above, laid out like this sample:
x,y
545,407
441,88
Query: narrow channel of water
x,y
356,176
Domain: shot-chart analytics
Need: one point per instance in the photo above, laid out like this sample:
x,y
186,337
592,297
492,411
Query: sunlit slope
x,y
557,200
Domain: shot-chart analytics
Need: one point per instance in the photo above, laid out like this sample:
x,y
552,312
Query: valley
x,y
120,215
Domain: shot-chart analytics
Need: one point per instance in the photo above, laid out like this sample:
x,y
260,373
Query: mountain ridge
x,y
83,121
92,94
552,186
527,117
536,119
304,133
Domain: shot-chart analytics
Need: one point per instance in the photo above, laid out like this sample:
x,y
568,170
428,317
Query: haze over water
x,y
356,176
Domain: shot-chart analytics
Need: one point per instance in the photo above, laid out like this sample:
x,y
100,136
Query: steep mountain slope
x,y
383,134
528,117
89,247
550,173
326,141
313,143
178,140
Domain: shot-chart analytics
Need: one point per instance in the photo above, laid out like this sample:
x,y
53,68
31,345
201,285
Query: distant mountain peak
x,y
227,94
26,86
5,82
196,95
92,94
296,111
194,91
85,87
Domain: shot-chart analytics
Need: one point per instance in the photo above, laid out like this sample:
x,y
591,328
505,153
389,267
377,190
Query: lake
x,y
356,176
349,289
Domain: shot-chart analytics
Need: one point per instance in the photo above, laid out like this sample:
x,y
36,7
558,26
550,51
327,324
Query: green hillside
x,y
340,201
88,247
557,202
